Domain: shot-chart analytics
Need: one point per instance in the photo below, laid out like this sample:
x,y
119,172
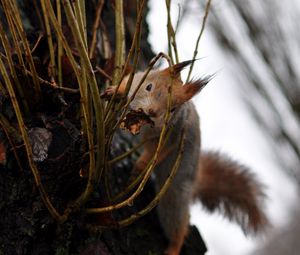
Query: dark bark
x,y
25,223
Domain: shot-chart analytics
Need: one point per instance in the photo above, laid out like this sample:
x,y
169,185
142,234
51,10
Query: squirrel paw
x,y
108,93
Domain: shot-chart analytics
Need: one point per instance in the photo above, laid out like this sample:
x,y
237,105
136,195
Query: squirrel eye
x,y
149,87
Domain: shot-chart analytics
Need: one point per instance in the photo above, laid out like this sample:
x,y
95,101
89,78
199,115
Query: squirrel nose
x,y
151,113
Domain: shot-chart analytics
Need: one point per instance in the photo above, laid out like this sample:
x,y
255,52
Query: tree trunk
x,y
54,131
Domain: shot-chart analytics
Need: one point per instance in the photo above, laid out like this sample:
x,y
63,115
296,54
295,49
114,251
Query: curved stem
x,y
198,39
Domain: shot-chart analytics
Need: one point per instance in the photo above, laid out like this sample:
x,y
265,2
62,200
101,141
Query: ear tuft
x,y
195,86
177,68
190,89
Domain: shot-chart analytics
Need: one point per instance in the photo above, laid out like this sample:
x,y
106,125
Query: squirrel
x,y
220,183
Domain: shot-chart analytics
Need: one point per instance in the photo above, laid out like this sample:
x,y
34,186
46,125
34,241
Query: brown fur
x,y
225,185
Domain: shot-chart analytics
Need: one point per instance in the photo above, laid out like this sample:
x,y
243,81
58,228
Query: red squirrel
x,y
214,179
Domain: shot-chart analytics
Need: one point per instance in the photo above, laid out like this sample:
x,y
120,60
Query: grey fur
x,y
176,201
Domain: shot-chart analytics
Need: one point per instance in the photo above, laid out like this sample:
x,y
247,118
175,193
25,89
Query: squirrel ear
x,y
188,90
177,68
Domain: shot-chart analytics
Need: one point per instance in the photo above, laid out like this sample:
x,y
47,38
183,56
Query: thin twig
x,y
171,35
127,153
198,39
59,45
37,42
52,65
8,57
96,166
132,218
53,85
120,42
106,45
13,32
11,131
152,163
162,191
100,70
11,142
12,5
136,35
133,49
84,106
95,28
137,179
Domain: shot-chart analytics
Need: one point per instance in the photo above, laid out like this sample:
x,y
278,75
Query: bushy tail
x,y
227,186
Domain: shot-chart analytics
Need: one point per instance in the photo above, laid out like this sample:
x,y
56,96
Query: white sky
x,y
226,125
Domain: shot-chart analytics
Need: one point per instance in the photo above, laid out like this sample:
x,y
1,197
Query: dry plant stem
x,y
171,35
107,185
178,19
100,70
7,49
52,65
95,28
136,38
37,11
140,176
168,132
94,170
149,167
130,200
107,52
133,49
28,148
136,47
79,11
20,30
79,17
54,86
37,43
86,114
155,201
8,136
126,154
10,130
77,31
83,14
2,89
168,31
59,46
119,56
162,191
13,32
120,42
198,39
83,78
73,62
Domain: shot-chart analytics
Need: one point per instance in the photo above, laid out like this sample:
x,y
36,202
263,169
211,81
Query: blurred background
x,y
250,110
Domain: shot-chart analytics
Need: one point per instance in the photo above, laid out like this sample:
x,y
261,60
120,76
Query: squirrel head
x,y
152,96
